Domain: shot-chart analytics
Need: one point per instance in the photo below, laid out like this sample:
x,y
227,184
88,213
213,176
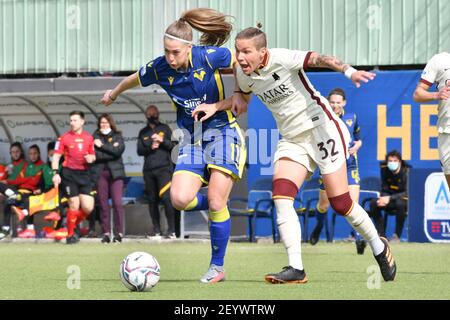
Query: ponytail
x,y
213,24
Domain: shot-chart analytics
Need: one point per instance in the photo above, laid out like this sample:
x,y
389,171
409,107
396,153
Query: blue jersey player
x,y
337,100
211,152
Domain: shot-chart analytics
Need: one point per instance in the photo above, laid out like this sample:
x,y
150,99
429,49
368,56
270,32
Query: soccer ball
x,y
139,271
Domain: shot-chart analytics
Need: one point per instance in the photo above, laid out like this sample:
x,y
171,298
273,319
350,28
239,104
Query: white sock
x,y
30,226
25,212
360,221
290,231
9,192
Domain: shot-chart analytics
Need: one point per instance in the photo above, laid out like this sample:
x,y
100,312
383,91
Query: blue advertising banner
x,y
388,117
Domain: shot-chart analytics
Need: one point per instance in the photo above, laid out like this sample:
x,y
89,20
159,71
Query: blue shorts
x,y
352,177
222,149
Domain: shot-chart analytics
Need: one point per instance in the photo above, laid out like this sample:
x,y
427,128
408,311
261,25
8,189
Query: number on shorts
x,y
325,151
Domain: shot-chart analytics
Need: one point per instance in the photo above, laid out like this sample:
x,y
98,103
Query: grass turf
x,y
39,271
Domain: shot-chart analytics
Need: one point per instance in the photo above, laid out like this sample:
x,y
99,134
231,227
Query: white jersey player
x,y
312,135
437,71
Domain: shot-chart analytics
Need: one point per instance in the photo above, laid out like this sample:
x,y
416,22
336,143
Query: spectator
x,y
394,196
23,186
13,171
110,171
154,143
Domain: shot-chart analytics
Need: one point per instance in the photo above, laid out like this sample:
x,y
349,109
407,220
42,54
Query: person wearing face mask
x,y
394,194
109,173
155,144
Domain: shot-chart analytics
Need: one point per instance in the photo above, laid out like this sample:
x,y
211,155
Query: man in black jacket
x,y
394,196
155,144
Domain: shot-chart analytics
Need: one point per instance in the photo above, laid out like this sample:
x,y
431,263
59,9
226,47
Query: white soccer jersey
x,y
283,87
438,71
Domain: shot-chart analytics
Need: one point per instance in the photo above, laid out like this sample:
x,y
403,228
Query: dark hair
x,y
18,145
51,146
258,36
213,24
35,146
398,155
152,106
337,91
111,121
77,113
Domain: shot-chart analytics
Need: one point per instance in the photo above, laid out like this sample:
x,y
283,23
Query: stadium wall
x,y
49,36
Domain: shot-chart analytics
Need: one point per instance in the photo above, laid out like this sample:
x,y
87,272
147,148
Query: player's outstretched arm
x,y
423,95
324,61
129,82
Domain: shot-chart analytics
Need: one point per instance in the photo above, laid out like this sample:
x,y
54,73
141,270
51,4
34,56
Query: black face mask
x,y
153,120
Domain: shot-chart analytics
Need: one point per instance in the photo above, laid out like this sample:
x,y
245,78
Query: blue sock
x,y
220,228
200,202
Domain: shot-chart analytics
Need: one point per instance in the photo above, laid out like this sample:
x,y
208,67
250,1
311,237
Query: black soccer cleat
x,y
360,246
315,235
118,238
386,262
106,238
72,240
287,275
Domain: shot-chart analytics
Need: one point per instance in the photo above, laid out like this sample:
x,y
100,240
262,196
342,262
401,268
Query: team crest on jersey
x,y
200,75
161,134
170,80
349,122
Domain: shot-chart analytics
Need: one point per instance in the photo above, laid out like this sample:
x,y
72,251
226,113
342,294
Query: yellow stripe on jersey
x,y
139,78
219,84
243,149
174,106
233,58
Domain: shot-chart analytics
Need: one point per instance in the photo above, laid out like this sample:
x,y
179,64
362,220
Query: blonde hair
x,y
213,24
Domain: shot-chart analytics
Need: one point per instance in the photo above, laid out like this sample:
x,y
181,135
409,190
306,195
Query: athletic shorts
x,y
444,151
324,146
352,177
222,149
76,182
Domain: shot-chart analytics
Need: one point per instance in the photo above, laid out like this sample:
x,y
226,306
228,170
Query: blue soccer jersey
x,y
355,131
222,146
200,83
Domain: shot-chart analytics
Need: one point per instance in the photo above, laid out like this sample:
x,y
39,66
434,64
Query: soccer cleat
x,y
315,235
27,233
4,233
386,262
53,216
72,240
287,275
106,238
118,238
170,236
213,275
19,212
360,246
60,233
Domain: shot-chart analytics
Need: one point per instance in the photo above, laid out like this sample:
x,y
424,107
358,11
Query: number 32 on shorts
x,y
329,149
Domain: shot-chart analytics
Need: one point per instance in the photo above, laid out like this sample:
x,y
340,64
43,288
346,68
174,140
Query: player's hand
x,y
204,111
56,180
157,138
90,158
238,104
362,76
155,145
383,201
107,98
98,143
444,93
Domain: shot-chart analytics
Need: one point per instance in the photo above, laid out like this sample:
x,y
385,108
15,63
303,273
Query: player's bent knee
x,y
342,204
284,189
181,202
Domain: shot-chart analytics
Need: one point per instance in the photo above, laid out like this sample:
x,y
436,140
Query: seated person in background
x,y
394,196
23,186
14,169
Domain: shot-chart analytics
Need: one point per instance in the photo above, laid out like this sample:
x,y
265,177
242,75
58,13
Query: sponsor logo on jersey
x,y
275,95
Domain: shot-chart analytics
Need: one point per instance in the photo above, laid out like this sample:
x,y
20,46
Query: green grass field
x,y
39,271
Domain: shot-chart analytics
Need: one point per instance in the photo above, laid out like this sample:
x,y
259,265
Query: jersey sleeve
x,y
59,146
218,57
147,74
356,130
429,74
293,59
91,147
